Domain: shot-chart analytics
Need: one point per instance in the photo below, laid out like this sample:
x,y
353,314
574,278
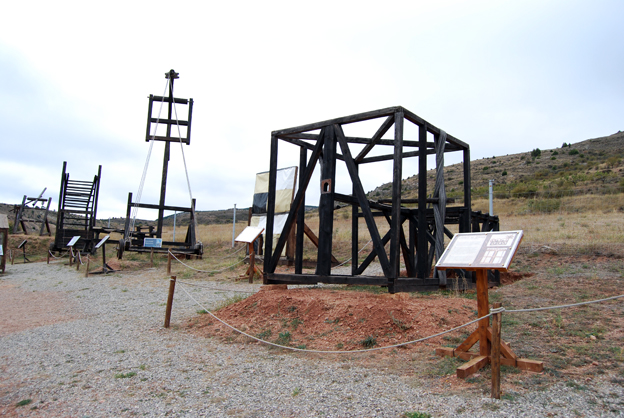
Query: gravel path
x,y
110,356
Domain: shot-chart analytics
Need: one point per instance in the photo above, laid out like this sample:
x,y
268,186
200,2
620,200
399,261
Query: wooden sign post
x,y
248,236
480,252
105,267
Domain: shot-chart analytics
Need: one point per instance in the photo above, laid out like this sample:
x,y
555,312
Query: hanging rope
x,y
137,201
188,181
439,207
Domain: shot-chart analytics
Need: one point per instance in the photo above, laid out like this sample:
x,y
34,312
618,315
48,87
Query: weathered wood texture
x,y
328,144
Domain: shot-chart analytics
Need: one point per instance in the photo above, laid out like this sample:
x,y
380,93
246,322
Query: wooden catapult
x,y
480,252
134,239
30,204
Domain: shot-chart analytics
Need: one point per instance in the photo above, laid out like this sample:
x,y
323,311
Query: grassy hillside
x,y
594,166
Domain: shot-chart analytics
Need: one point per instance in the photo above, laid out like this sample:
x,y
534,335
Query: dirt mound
x,y
336,319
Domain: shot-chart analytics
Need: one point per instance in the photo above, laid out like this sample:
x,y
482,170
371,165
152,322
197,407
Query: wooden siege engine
x,y
78,200
326,143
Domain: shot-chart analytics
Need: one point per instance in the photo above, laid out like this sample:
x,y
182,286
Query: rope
x,y
342,264
188,181
135,208
563,306
215,288
204,271
330,351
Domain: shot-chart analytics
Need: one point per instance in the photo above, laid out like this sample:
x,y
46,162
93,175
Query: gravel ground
x,y
114,358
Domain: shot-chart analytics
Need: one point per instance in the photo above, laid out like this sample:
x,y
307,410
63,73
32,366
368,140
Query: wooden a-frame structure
x,y
426,226
134,238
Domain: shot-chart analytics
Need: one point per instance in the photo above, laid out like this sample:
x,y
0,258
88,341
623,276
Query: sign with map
x,y
481,250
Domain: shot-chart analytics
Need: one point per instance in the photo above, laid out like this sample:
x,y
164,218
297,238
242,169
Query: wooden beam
x,y
270,261
361,196
360,117
472,366
376,138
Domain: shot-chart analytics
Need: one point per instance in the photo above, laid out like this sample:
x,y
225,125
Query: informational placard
x,y
73,241
152,242
481,250
249,234
102,241
1,250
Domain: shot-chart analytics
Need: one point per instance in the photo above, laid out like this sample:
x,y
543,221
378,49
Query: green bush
x,y
536,153
573,152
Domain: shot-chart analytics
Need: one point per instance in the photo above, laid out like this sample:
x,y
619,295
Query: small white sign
x,y
73,241
102,241
1,250
249,234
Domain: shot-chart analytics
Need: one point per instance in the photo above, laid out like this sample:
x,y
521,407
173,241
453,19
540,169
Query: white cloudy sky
x,y
503,76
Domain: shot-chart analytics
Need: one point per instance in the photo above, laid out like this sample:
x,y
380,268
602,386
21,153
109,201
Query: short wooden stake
x,y
87,269
78,261
48,257
496,349
152,256
168,262
172,283
71,257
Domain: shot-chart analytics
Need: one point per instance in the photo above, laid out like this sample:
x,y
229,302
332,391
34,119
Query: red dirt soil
x,y
328,319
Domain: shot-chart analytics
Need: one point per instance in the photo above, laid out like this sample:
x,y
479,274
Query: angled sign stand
x,y
480,252
248,236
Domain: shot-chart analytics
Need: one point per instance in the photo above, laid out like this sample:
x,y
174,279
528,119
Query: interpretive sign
x,y
1,250
481,250
249,234
152,242
73,241
102,241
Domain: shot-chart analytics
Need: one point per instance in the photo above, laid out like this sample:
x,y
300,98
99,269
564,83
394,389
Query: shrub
x,y
536,153
504,173
573,152
486,168
555,153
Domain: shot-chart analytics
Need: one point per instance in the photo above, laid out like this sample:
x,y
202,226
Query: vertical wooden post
x,y
495,358
78,261
87,269
483,309
252,262
152,256
168,262
71,256
48,257
172,283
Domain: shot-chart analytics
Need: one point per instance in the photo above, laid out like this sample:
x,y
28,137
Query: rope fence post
x,y
78,261
172,283
168,262
152,256
71,256
48,257
87,269
495,356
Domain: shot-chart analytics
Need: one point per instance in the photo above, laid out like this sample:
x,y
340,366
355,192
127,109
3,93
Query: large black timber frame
x,y
418,249
77,213
134,239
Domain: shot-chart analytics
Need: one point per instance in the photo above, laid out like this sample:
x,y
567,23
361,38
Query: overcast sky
x,y
505,77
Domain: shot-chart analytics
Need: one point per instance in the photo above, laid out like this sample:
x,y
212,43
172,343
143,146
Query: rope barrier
x,y
491,312
330,351
562,306
204,271
215,288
